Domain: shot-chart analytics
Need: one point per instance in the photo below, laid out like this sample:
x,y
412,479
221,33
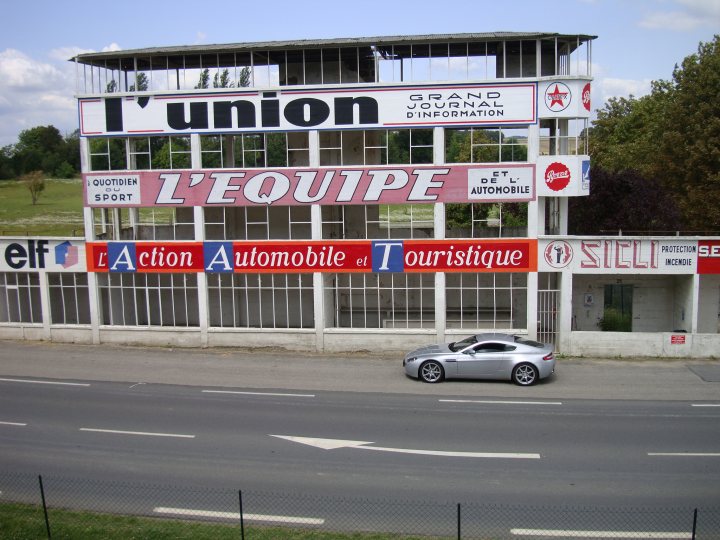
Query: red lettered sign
x,y
470,255
708,257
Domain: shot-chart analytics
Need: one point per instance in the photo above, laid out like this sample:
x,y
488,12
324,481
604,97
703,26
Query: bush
x,y
65,170
614,321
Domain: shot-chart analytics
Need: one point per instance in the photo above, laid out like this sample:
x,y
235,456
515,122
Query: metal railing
x,y
33,506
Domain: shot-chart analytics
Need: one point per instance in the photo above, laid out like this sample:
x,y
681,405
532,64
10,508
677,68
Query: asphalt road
x,y
357,427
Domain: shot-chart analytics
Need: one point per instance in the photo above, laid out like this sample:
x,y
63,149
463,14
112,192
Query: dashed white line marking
x,y
684,454
496,402
12,424
144,433
705,405
235,515
273,394
31,381
558,533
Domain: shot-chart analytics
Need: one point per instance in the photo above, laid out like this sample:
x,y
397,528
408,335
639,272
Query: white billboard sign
x,y
304,108
35,254
618,255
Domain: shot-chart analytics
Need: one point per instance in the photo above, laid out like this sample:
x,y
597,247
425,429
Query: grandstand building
x,y
350,194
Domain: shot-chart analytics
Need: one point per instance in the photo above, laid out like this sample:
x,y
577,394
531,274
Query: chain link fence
x,y
34,506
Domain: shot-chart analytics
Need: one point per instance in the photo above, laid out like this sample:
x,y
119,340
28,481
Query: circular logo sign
x,y
586,96
557,176
557,97
558,254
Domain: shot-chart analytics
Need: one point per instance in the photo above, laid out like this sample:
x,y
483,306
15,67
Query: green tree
x,y
223,79
35,182
142,83
688,154
671,136
623,200
7,168
39,148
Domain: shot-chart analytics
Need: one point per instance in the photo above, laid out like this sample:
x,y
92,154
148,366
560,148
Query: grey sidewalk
x,y
679,379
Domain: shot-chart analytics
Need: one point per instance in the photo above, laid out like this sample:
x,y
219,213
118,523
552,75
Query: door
x,y
484,360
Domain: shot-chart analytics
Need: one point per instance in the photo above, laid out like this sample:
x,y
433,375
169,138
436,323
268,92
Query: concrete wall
x,y
642,344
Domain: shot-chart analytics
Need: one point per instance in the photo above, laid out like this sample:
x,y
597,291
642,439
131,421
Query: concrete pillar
x,y
564,321
199,234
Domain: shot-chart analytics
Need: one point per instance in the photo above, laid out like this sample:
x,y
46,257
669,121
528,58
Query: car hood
x,y
429,349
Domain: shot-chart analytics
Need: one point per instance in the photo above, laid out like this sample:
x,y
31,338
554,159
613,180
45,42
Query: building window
x,y
148,299
20,298
488,301
261,300
563,136
439,61
108,154
164,224
381,300
486,145
69,299
258,223
249,150
139,153
486,220
378,221
376,147
147,223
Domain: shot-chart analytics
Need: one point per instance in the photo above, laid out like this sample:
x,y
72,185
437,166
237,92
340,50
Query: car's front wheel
x,y
525,374
431,372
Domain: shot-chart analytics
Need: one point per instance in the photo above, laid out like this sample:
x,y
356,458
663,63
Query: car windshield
x,y
459,345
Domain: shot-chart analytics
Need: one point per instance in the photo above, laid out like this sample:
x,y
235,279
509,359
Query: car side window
x,y
489,347
509,348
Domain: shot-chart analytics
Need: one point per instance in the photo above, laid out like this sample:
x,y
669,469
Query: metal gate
x,y
547,310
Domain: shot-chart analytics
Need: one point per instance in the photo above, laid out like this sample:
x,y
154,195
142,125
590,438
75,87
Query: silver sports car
x,y
483,356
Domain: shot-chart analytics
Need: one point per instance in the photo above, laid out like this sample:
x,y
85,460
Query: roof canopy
x,y
125,58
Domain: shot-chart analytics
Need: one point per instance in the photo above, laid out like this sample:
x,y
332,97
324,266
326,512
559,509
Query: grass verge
x,y
59,211
27,522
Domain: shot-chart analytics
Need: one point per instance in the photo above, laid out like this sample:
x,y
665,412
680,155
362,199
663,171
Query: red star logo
x,y
557,97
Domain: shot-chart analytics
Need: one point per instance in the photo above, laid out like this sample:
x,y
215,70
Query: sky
x,y
638,40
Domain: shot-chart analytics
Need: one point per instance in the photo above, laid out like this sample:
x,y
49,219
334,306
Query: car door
x,y
482,361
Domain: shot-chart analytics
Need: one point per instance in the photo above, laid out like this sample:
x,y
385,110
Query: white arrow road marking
x,y
236,515
333,444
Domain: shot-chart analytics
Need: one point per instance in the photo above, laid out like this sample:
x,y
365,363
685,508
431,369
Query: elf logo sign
x,y
37,254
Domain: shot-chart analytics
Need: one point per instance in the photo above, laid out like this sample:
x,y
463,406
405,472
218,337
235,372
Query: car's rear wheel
x,y
525,375
431,372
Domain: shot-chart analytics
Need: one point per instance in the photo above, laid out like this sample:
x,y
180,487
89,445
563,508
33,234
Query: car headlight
x,y
411,359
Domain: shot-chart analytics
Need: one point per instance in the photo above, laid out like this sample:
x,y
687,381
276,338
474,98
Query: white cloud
x,y
112,47
35,93
671,20
610,87
18,70
691,14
